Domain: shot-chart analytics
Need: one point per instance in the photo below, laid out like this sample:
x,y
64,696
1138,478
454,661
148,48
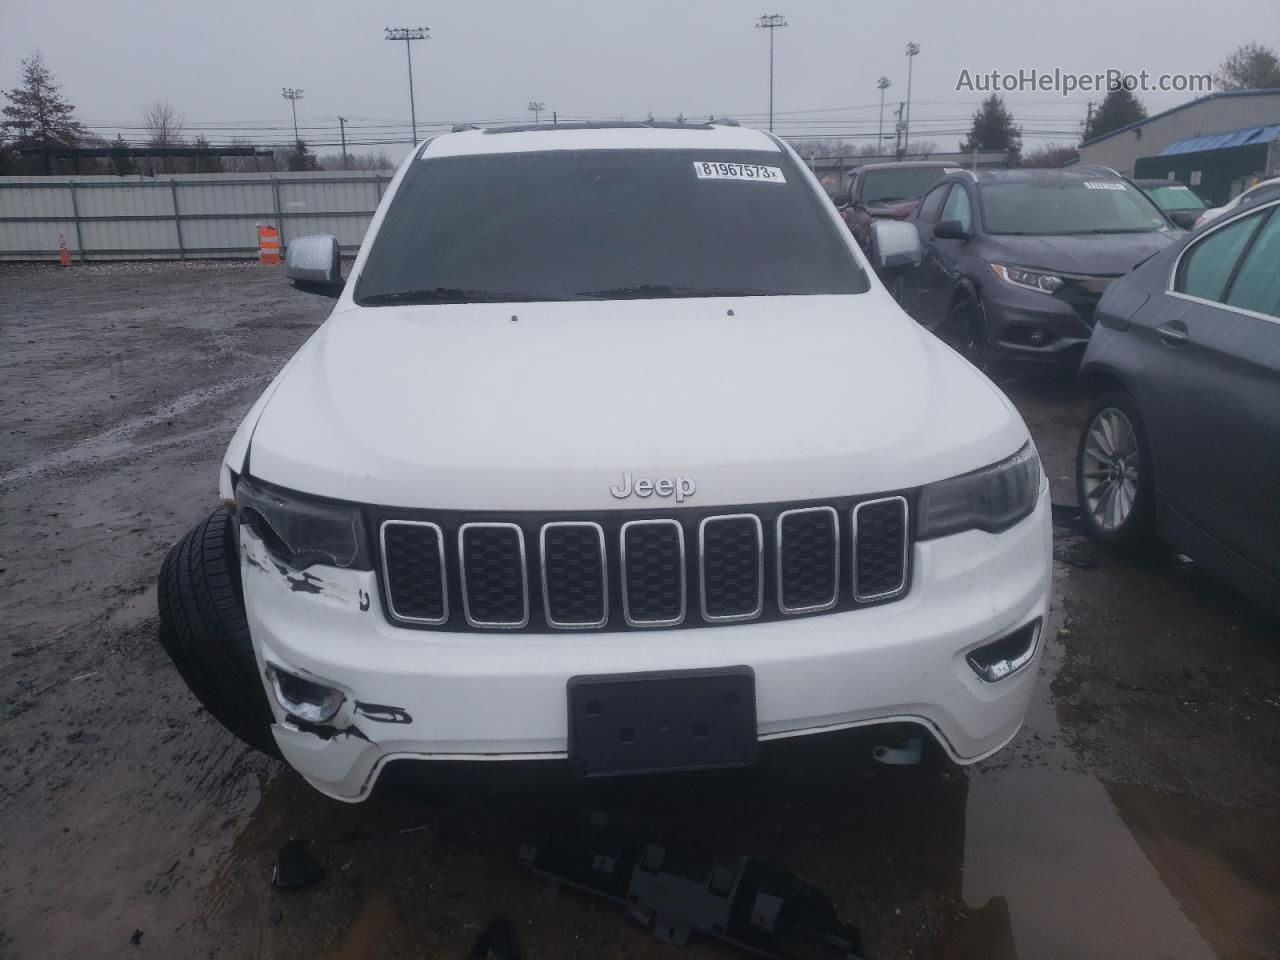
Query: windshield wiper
x,y
655,291
458,295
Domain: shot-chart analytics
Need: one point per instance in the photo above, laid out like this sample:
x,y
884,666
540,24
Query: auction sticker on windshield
x,y
1102,185
719,170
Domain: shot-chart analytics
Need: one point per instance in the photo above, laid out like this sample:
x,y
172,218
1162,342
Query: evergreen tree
x,y
993,129
301,158
120,162
1119,108
1250,67
37,112
209,163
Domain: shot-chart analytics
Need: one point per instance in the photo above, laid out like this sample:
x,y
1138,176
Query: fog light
x,y
1038,338
1006,656
305,699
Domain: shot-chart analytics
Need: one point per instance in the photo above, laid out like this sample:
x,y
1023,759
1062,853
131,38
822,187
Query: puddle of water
x,y
1046,836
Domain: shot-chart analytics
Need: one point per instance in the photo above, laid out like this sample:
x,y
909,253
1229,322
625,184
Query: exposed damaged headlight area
x,y
301,531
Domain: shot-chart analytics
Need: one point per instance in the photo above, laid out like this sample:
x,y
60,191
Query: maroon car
x,y
886,190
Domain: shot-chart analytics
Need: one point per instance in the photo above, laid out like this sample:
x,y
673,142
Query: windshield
x,y
1176,197
1058,206
910,183
609,224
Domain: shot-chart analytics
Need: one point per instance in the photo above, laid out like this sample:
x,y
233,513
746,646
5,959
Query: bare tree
x,y
357,161
1050,155
163,124
164,128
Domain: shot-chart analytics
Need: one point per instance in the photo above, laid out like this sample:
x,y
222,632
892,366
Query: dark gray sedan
x,y
1182,442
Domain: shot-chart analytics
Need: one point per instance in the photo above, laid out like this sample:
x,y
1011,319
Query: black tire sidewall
x,y
204,629
966,322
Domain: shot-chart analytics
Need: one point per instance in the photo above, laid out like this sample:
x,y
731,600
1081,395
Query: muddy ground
x,y
1136,814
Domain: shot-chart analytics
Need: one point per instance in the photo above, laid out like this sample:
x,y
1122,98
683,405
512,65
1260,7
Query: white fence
x,y
182,216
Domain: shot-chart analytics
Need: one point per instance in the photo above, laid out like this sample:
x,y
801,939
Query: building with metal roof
x,y
1217,166
1218,113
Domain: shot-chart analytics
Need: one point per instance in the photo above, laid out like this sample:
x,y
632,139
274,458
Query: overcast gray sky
x,y
222,64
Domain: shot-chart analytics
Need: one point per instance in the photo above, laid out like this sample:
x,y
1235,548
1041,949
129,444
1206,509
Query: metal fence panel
x,y
187,216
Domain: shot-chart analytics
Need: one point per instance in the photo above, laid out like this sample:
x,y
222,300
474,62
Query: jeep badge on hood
x,y
682,487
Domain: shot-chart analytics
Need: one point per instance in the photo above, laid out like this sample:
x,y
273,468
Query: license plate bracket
x,y
662,721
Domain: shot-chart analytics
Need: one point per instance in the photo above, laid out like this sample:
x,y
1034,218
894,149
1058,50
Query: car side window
x,y
1207,266
1255,287
932,203
958,207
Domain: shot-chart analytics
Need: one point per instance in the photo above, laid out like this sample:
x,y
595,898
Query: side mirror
x,y
950,230
894,245
1186,219
314,264
841,199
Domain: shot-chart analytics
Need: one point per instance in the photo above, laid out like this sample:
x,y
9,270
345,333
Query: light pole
x,y
883,83
536,107
293,96
342,128
408,35
912,50
771,22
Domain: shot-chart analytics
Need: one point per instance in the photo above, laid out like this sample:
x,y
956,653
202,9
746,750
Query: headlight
x,y
991,499
300,530
1042,282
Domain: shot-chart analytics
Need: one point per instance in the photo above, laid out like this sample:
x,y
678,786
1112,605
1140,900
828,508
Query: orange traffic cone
x,y
64,255
269,245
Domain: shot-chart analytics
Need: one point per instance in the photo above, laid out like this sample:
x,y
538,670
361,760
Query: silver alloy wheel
x,y
1110,469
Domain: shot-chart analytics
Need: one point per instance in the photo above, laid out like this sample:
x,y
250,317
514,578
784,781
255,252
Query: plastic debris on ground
x,y
750,903
295,866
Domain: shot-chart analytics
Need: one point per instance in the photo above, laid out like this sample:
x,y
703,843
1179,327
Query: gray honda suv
x,y
1014,261
1182,442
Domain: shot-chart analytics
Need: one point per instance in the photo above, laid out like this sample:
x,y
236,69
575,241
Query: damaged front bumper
x,y
435,695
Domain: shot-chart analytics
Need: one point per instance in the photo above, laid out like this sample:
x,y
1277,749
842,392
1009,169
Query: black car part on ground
x,y
744,901
204,630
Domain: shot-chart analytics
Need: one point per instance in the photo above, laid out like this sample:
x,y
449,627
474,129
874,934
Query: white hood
x,y
756,399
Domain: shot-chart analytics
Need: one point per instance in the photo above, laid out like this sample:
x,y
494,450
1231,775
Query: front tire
x,y
1114,478
204,630
965,331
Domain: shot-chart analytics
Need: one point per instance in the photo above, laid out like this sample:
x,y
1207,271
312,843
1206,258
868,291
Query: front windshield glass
x,y
1176,197
608,224
909,183
1065,206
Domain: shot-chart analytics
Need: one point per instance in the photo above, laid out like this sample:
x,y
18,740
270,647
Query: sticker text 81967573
x,y
720,170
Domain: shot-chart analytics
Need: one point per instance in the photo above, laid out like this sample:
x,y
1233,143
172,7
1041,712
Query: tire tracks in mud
x,y
119,441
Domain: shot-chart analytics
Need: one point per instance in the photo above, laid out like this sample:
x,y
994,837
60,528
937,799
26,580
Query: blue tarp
x,y
1216,141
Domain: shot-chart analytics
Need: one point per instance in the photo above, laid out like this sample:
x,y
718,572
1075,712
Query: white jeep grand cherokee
x,y
613,450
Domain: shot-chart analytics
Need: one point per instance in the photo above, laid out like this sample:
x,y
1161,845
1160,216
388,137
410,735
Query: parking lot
x,y
1134,815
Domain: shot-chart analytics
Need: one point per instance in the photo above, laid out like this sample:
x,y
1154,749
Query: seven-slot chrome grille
x,y
633,570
